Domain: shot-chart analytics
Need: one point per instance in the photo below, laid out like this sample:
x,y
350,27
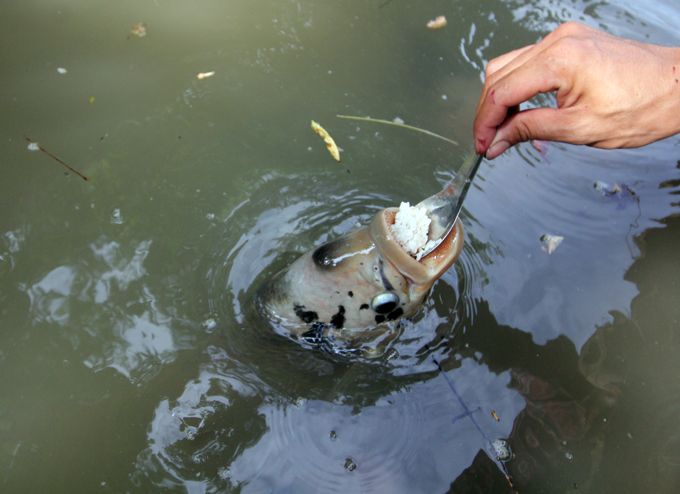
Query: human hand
x,y
611,92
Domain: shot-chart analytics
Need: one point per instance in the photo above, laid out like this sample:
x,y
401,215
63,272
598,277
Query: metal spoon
x,y
444,208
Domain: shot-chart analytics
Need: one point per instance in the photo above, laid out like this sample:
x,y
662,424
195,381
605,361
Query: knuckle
x,y
523,130
571,28
492,67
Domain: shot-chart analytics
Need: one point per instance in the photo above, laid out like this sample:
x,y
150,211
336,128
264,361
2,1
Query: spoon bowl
x,y
443,208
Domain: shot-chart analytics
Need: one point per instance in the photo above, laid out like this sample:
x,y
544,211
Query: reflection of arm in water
x,y
554,439
611,92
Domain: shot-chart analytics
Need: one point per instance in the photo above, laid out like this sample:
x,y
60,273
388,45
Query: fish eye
x,y
385,302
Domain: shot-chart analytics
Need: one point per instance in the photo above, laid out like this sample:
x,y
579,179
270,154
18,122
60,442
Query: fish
x,y
351,293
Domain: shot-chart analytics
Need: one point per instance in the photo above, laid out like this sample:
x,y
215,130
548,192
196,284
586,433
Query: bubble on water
x,y
33,146
501,449
224,473
569,456
116,217
299,402
210,216
209,323
61,70
350,466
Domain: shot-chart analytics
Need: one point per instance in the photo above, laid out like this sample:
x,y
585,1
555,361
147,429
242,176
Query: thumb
x,y
548,124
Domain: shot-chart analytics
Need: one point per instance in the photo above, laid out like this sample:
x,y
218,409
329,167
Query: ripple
x,y
405,443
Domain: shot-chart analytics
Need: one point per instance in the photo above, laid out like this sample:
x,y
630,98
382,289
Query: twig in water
x,y
53,156
367,119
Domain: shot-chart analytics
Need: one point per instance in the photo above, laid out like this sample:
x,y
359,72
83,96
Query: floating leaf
x,y
91,99
330,143
139,29
437,23
203,75
552,241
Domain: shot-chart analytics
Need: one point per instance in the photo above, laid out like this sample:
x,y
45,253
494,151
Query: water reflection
x,y
141,334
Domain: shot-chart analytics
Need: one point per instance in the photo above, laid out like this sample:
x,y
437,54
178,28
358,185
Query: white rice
x,y
410,228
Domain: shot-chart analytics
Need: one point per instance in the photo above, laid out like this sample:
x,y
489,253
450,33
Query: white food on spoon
x,y
410,229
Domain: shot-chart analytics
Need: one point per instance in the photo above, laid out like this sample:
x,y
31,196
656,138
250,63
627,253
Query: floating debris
x,y
116,217
614,190
91,99
398,124
61,70
330,143
437,23
138,29
552,241
203,75
299,402
350,465
209,323
501,449
398,120
35,145
495,416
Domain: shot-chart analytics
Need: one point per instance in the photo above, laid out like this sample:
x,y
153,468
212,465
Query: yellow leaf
x,y
91,99
330,143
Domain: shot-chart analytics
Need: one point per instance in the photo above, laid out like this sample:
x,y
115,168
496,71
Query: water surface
x,y
130,357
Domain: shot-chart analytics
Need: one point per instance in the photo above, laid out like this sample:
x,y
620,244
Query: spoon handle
x,y
443,208
458,188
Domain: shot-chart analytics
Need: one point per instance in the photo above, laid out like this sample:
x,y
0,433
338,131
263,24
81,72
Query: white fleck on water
x,y
116,217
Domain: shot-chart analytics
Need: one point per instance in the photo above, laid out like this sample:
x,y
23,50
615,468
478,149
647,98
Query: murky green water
x,y
130,360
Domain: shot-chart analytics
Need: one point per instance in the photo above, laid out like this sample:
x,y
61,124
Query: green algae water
x,y
131,357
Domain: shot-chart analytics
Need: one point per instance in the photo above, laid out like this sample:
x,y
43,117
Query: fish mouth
x,y
430,267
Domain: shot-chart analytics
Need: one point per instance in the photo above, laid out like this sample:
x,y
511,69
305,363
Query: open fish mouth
x,y
428,269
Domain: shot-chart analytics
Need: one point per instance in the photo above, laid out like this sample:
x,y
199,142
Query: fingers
x,y
516,87
518,76
504,60
540,123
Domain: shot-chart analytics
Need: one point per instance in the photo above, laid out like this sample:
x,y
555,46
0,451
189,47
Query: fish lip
x,y
430,267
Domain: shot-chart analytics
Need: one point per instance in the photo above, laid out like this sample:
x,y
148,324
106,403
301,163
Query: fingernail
x,y
497,149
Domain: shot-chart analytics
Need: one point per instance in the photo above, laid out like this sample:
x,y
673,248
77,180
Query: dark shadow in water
x,y
607,420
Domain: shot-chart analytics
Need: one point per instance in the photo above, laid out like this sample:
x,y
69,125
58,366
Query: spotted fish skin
x,y
355,288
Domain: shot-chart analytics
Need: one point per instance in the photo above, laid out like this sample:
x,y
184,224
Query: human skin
x,y
611,92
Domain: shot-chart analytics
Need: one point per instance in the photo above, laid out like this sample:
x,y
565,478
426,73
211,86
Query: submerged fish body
x,y
353,290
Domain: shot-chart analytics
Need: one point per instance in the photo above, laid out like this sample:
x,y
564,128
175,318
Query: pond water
x,y
130,358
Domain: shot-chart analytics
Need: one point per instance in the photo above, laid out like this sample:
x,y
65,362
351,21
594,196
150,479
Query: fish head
x,y
355,287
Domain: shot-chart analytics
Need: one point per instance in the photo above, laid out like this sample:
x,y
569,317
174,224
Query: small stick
x,y
366,119
53,156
